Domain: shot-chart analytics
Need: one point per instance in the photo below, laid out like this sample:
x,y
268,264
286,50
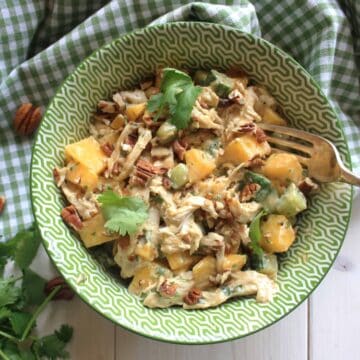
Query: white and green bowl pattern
x,y
120,65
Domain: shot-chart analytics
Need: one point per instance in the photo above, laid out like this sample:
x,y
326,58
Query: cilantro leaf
x,y
9,293
65,333
53,346
156,104
178,95
255,233
180,117
28,242
3,262
33,288
22,247
12,352
18,321
4,313
124,214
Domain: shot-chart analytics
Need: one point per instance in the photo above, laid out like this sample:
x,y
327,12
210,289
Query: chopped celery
x,y
203,78
265,264
291,202
270,202
221,84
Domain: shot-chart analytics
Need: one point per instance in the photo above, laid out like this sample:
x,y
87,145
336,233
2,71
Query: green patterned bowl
x,y
121,64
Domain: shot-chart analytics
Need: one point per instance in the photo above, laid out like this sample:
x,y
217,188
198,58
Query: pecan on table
x,y
65,293
2,203
27,119
71,217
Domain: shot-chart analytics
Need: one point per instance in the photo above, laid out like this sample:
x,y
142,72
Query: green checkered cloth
x,y
43,41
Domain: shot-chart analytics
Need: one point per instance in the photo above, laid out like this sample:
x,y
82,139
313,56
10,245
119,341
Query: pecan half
x,y
256,162
71,217
192,297
236,96
123,242
108,149
108,107
307,186
246,128
260,135
2,203
166,183
116,168
248,192
179,149
27,119
56,175
131,140
144,171
168,289
65,293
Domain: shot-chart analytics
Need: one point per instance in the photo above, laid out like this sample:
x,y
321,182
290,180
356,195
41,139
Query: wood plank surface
x,y
335,306
94,336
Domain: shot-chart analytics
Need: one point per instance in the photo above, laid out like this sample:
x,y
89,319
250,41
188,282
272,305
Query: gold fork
x,y
318,155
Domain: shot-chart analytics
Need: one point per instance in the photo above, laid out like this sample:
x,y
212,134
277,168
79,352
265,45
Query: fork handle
x,y
349,177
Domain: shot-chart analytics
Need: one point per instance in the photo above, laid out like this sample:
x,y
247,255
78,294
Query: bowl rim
x,y
202,25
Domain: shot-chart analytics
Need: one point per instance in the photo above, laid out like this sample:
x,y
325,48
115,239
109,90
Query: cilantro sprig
x,y
22,299
124,214
178,95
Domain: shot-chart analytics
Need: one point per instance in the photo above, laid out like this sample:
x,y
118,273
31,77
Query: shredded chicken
x,y
206,118
170,291
134,97
242,283
243,212
143,140
116,155
85,204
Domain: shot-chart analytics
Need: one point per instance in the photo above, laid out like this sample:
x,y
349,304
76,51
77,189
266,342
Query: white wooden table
x,y
327,326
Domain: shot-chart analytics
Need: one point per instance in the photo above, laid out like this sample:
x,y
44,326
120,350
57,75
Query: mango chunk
x,y
147,275
200,164
88,153
134,111
234,262
181,260
283,168
277,234
203,270
82,176
118,122
243,149
146,251
270,116
93,232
